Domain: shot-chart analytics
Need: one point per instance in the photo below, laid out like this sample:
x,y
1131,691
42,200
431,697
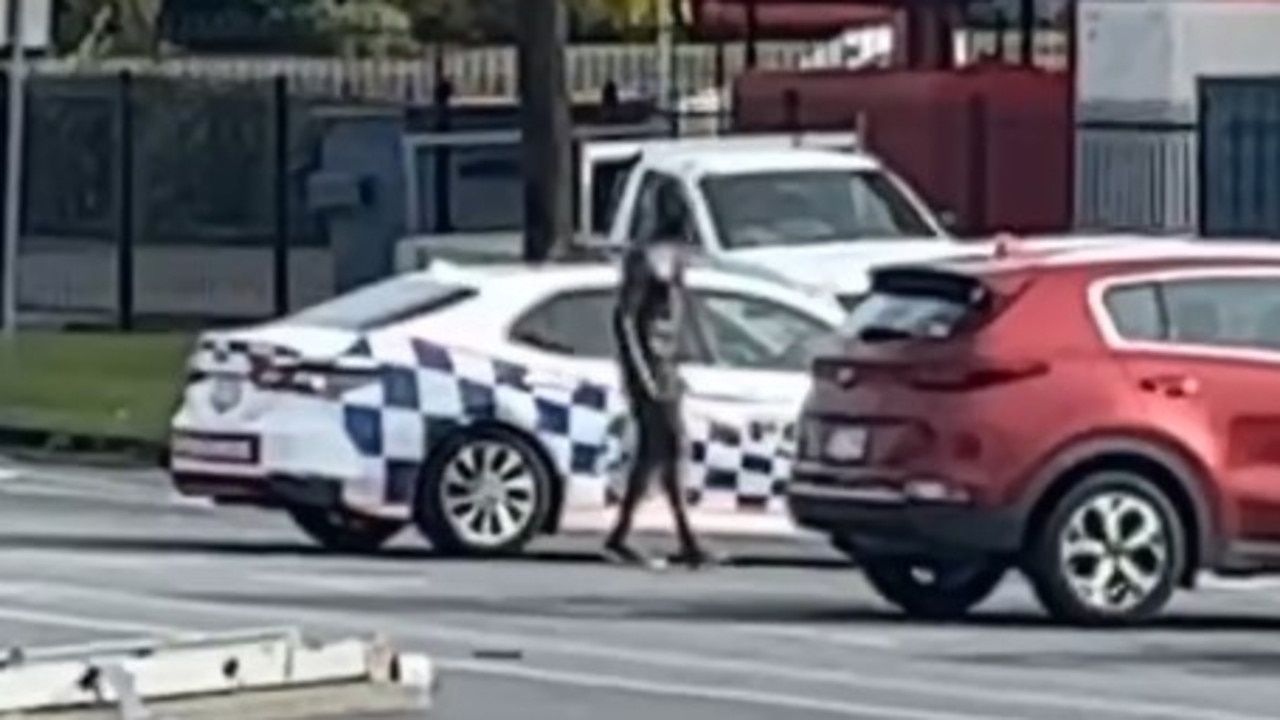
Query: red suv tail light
x,y
975,376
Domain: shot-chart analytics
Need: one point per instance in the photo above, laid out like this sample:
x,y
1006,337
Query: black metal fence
x,y
153,200
149,198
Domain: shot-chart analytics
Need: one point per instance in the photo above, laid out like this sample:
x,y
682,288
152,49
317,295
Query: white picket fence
x,y
479,72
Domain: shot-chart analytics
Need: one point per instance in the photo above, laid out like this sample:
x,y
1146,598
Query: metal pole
x,y
662,16
13,167
280,187
126,221
546,127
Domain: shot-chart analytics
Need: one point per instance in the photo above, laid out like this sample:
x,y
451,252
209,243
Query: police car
x,y
482,405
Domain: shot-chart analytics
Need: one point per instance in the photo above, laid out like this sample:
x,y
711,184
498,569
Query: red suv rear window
x,y
919,303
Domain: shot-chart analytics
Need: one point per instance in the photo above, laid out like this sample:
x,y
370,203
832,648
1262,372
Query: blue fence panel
x,y
1240,160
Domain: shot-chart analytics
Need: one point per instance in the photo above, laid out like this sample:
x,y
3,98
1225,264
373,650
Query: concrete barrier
x,y
255,675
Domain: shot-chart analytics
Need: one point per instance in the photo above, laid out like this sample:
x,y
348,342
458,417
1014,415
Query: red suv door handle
x,y
1174,386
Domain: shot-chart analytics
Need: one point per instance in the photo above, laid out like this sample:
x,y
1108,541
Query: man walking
x,y
648,325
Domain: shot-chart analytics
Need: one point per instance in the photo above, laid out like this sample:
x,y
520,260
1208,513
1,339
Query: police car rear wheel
x,y
486,493
344,531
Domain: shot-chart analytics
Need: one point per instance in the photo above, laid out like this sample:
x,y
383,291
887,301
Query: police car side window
x,y
576,324
756,334
580,324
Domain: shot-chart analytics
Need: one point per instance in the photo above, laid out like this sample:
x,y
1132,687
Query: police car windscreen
x,y
383,303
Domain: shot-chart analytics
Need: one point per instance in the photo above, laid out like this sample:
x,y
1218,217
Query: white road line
x,y
88,483
82,622
865,640
703,692
132,499
822,676
358,586
346,584
609,682
122,475
1253,584
657,657
96,557
830,637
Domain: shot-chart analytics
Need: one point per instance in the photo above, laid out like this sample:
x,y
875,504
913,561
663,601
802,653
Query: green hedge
x,y
117,385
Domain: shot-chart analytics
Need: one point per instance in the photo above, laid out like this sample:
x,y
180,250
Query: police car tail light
x,y
331,380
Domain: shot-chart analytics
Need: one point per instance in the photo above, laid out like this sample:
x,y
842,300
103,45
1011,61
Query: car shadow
x,y
710,604
303,548
750,608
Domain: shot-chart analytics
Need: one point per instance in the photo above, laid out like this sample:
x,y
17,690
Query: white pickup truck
x,y
814,210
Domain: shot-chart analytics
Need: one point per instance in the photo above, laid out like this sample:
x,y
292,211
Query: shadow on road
x,y
681,602
671,599
301,548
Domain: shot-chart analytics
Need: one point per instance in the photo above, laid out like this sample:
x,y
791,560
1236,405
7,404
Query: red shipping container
x,y
991,143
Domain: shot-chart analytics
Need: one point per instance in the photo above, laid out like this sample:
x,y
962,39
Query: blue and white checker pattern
x,y
732,462
427,390
236,355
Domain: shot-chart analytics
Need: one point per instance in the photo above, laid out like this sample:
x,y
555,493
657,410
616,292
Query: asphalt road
x,y
88,555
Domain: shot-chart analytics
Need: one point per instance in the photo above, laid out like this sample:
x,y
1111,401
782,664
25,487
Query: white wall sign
x,y
36,26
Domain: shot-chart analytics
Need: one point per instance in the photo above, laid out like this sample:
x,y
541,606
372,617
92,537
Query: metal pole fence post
x,y
546,126
14,157
280,194
125,181
442,158
666,83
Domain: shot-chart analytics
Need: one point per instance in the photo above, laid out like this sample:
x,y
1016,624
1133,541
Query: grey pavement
x,y
793,632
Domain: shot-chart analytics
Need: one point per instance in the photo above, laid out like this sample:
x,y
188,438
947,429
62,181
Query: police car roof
x,y
535,278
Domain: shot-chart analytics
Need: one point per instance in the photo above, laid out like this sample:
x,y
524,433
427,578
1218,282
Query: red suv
x,y
1106,420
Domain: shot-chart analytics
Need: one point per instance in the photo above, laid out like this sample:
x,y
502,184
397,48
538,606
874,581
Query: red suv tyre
x,y
932,589
1110,551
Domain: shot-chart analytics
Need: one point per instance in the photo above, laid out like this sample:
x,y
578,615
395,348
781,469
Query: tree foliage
x,y
495,20
107,26
99,27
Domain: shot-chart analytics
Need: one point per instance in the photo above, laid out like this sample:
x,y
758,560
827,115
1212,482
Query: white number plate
x,y
216,449
846,444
